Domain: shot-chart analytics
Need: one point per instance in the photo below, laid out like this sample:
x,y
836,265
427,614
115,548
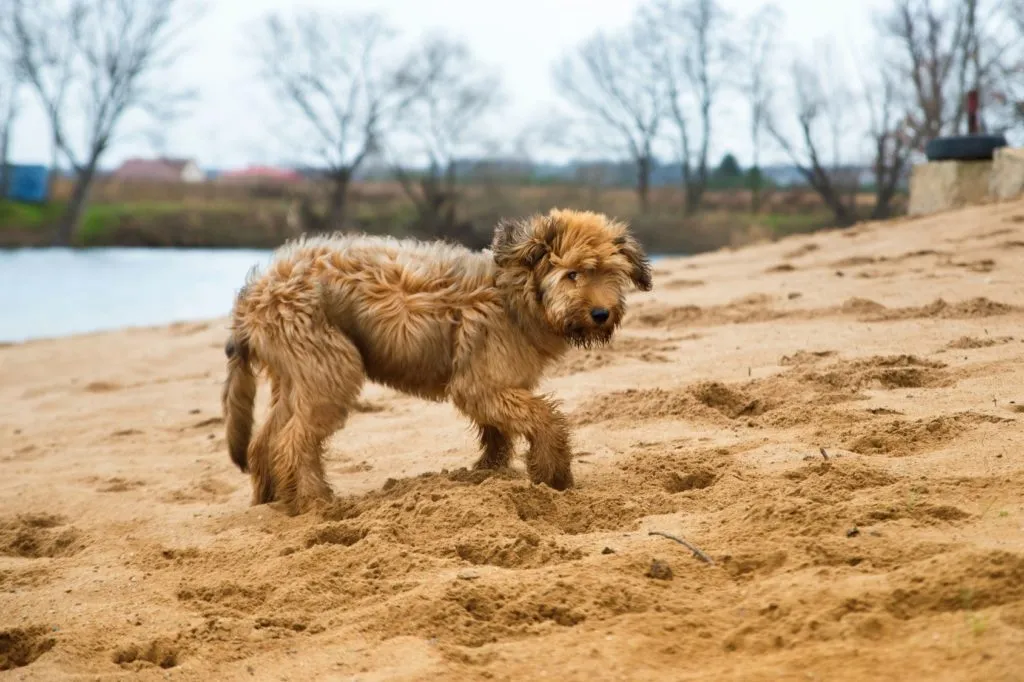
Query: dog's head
x,y
571,268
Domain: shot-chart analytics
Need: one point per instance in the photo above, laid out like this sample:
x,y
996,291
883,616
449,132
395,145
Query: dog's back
x,y
401,302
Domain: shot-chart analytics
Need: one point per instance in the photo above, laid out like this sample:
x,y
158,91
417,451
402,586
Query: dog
x,y
430,319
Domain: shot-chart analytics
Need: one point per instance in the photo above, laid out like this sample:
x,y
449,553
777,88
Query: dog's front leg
x,y
497,448
549,458
519,412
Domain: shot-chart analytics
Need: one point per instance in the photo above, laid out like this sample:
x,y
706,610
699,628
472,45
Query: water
x,y
56,292
47,293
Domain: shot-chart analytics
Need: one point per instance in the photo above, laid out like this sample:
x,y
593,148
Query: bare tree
x,y
1015,10
948,48
10,90
341,77
112,56
758,87
931,38
891,138
694,58
614,85
51,27
820,124
442,124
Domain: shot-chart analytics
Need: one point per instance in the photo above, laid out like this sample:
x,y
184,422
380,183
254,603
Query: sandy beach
x,y
833,420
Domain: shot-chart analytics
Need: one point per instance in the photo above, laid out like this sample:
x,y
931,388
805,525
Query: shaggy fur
x,y
433,320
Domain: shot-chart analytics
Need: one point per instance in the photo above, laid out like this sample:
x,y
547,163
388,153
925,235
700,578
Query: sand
x,y
834,420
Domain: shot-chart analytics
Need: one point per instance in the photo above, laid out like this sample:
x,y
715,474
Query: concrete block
x,y
1007,181
943,185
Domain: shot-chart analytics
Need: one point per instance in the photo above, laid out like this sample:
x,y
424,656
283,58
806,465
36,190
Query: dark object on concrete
x,y
964,147
972,112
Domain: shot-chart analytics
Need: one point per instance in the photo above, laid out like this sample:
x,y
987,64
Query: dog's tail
x,y
238,399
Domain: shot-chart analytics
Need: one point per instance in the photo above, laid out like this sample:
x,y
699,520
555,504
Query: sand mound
x,y
841,448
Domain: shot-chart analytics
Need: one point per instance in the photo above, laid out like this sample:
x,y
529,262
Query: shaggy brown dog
x,y
430,319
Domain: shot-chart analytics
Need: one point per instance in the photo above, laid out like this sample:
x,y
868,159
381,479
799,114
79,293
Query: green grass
x,y
21,216
782,224
100,219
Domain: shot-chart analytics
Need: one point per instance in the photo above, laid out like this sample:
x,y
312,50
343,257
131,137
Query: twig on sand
x,y
823,453
696,550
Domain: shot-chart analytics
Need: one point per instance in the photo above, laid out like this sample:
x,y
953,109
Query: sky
x,y
229,125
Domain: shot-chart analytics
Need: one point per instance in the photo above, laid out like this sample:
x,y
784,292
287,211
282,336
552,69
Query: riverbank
x,y
833,419
200,218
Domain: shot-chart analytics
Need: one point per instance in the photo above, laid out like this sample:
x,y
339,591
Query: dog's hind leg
x,y
497,448
260,470
327,374
517,412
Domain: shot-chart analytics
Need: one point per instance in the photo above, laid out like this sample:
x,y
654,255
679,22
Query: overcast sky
x,y
521,39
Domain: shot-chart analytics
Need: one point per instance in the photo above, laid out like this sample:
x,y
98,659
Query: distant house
x,y
260,173
159,170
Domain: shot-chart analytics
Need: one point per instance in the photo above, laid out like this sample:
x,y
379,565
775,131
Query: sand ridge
x,y
834,419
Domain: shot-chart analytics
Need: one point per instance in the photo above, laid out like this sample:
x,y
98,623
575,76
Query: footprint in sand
x,y
160,653
644,349
696,479
871,311
37,536
901,437
209,490
970,342
187,328
801,251
102,387
682,284
20,647
119,485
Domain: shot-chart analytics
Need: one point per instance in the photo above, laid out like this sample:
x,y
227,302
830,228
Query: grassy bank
x,y
203,216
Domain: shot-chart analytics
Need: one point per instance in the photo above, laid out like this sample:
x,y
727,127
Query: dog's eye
x,y
572,276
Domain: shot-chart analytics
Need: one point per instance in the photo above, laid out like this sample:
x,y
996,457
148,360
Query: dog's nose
x,y
599,315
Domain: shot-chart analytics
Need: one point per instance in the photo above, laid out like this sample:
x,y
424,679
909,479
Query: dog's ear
x,y
640,267
520,243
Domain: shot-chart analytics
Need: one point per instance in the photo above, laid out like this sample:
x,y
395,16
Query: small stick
x,y
696,551
823,453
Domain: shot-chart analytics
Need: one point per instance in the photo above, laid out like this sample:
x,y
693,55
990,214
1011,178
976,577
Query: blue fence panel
x,y
28,183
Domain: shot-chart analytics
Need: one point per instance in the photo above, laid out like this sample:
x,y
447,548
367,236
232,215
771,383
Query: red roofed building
x,y
257,173
159,170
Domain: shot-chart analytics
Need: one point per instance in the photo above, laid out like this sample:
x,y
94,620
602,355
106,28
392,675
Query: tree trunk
x,y
694,196
843,215
832,196
449,196
756,183
883,205
339,199
6,123
885,190
694,184
693,204
756,180
68,225
5,176
54,162
643,182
